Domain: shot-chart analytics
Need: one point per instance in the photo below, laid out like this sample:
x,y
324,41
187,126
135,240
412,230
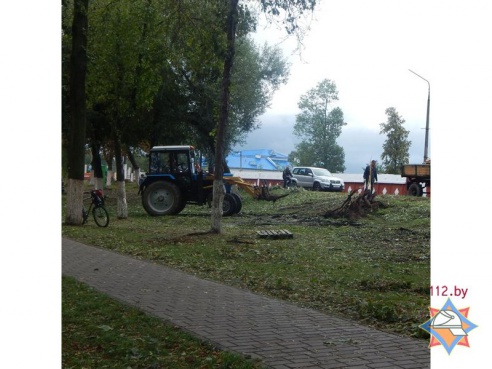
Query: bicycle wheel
x,y
101,216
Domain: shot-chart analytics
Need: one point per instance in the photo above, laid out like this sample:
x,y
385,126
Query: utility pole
x,y
427,119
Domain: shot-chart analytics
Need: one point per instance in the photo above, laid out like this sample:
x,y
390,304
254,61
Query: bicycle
x,y
99,212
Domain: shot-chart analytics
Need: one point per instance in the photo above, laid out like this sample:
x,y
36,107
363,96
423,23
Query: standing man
x,y
371,173
286,175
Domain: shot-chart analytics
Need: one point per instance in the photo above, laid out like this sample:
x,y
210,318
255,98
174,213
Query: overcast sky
x,y
361,144
367,49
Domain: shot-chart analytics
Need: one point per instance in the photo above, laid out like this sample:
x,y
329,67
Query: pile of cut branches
x,y
355,207
263,193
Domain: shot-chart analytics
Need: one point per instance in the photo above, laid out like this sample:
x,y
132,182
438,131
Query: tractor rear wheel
x,y
229,205
415,189
162,198
239,202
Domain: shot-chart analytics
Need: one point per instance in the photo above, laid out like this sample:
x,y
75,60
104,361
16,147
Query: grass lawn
x,y
374,269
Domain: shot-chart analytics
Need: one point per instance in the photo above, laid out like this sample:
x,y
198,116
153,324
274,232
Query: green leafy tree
x,y
168,87
257,75
396,147
291,9
118,31
319,127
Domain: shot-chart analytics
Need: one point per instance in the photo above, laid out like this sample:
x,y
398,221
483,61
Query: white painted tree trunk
x,y
121,204
217,203
75,204
109,178
136,174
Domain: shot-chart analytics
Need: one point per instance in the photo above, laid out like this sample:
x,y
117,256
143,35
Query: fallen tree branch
x,y
263,193
355,207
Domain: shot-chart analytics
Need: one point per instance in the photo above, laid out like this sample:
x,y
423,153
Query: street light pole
x,y
427,119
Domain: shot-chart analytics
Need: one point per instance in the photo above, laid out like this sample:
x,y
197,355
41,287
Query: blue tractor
x,y
175,179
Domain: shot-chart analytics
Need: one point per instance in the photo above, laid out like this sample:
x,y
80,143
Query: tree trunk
x,y
96,166
218,189
136,168
76,151
109,178
108,156
121,204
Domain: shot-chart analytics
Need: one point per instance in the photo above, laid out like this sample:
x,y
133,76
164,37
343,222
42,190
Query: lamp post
x,y
427,119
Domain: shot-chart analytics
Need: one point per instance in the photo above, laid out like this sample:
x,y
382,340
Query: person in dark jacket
x,y
287,175
371,171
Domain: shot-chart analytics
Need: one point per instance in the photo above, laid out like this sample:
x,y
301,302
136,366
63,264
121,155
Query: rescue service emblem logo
x,y
449,326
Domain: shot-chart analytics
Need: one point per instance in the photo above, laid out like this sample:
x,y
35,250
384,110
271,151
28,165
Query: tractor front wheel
x,y
162,198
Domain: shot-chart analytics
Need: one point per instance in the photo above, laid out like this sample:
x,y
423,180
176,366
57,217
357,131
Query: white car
x,y
317,179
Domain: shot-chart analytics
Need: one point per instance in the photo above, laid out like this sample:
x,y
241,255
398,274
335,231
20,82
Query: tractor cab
x,y
172,160
173,180
175,164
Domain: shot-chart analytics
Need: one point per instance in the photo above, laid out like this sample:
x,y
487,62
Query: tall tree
x,y
396,147
127,50
218,189
319,127
76,152
291,10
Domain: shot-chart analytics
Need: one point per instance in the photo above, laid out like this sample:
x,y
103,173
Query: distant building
x,y
266,166
258,160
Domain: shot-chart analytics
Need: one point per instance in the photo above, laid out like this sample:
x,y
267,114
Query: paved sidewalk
x,y
281,334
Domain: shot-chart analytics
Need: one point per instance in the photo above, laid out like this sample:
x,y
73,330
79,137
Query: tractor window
x,y
159,162
169,162
182,164
165,162
154,162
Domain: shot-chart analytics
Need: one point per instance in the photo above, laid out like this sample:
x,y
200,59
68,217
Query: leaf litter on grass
x,y
374,269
